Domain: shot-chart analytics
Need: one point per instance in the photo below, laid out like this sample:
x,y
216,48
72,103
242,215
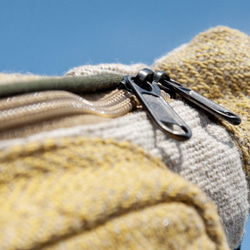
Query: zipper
x,y
36,107
149,90
147,87
149,95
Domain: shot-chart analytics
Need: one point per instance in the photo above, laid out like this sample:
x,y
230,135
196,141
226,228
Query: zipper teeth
x,y
16,101
30,108
114,98
28,99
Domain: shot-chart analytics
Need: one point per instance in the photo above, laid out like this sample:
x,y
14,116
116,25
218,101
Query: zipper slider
x,y
165,83
149,95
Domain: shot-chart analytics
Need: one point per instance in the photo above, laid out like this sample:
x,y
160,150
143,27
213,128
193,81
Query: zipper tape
x,y
86,84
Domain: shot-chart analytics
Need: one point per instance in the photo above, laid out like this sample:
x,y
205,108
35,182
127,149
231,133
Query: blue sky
x,y
48,37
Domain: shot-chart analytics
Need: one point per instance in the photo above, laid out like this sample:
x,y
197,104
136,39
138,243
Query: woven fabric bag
x,y
86,182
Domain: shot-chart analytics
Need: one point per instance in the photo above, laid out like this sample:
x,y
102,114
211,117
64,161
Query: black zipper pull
x,y
211,107
149,95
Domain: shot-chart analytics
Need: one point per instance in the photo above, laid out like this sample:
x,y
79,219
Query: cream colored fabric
x,y
87,70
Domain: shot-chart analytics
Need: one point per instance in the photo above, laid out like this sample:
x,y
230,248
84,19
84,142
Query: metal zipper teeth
x,y
36,107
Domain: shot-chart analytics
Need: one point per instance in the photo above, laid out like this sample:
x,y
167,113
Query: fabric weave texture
x,y
81,193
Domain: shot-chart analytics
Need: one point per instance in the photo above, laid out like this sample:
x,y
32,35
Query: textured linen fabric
x,y
87,70
81,193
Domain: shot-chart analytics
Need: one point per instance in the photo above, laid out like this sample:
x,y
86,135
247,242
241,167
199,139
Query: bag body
x,y
80,178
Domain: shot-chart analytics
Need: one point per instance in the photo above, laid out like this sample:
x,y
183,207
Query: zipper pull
x,y
149,95
211,107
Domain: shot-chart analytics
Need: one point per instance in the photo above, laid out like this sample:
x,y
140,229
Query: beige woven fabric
x,y
87,70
